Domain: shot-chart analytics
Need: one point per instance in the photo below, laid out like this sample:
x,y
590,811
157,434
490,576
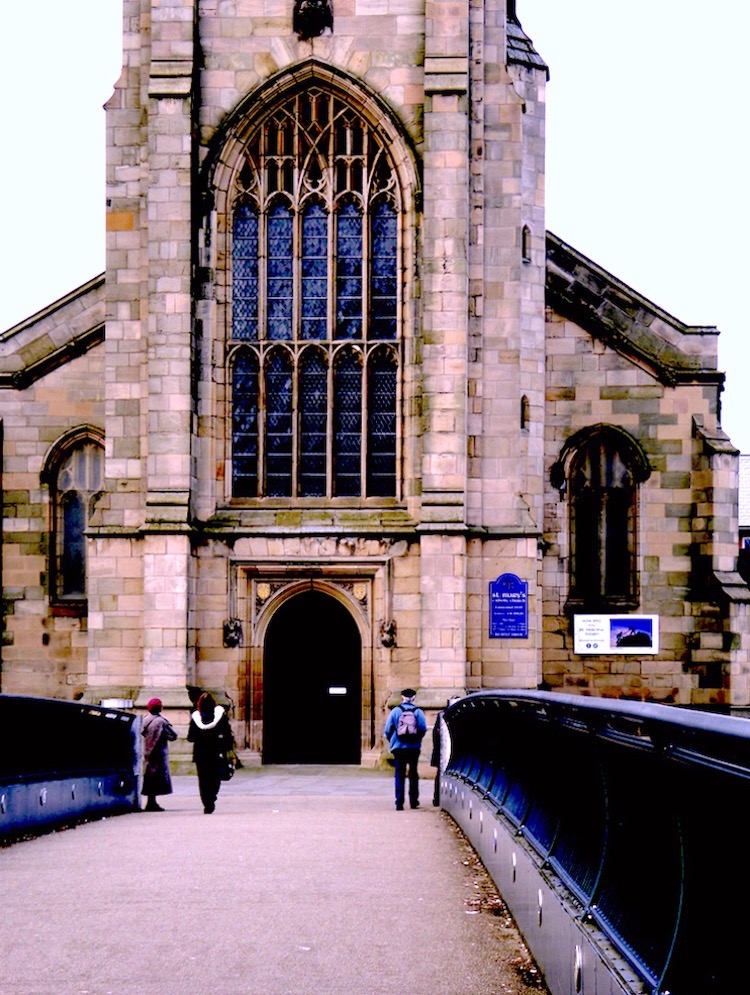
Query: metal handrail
x,y
62,760
638,809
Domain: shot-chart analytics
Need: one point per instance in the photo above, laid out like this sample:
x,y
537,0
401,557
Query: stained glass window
x,y
76,481
349,273
602,512
280,274
245,273
73,558
315,250
279,424
384,292
314,273
381,424
245,425
347,425
313,403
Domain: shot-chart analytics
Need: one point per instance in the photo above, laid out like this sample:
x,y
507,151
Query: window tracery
x,y
315,342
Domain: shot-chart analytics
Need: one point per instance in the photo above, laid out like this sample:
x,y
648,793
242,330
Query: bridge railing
x,y
640,812
62,760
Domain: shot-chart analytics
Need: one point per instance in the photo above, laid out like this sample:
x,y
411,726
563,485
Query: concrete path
x,y
305,881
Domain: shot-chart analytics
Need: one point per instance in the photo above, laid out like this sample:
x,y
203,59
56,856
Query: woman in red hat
x,y
157,734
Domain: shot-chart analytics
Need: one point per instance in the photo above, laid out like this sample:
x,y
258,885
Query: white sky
x,y
647,153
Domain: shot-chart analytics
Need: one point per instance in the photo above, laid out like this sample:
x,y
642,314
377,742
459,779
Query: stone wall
x,y
51,372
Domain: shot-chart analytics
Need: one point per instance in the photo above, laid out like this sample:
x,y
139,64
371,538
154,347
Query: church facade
x,y
342,416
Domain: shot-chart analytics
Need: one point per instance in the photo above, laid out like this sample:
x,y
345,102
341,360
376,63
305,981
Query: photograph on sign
x,y
635,634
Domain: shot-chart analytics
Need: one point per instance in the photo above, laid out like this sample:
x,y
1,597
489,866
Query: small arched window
x,y
602,469
526,244
75,474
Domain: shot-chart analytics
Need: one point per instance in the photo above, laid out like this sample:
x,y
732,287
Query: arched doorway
x,y
312,683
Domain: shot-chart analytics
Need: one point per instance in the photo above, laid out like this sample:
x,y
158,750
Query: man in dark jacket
x,y
404,731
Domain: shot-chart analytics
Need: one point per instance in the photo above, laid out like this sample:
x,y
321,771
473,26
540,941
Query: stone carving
x,y
232,632
388,633
360,592
311,18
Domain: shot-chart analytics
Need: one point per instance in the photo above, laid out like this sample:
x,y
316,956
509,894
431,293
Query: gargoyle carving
x,y
388,633
232,632
311,18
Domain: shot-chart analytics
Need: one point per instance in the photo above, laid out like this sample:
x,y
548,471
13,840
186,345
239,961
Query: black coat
x,y
211,740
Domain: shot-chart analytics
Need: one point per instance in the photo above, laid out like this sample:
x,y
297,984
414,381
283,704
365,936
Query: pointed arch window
x,y
315,264
604,468
75,474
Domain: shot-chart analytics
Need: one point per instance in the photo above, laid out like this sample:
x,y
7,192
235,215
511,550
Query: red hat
x,y
154,703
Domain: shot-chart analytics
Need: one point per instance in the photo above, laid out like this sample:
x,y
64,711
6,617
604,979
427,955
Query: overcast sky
x,y
647,153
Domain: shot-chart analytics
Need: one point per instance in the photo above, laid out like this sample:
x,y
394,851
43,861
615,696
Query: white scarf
x,y
218,714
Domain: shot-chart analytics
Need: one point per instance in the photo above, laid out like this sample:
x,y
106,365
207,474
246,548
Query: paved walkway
x,y
305,881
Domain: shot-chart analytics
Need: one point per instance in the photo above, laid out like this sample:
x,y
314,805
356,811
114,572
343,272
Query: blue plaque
x,y
509,608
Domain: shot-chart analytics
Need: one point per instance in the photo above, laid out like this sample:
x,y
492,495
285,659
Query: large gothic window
x,y
604,468
315,342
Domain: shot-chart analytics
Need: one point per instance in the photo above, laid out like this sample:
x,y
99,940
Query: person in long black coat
x,y
211,736
157,733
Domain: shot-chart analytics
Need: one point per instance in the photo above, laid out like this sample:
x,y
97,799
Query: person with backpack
x,y
404,731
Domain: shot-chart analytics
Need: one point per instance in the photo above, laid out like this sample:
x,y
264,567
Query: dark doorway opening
x,y
312,684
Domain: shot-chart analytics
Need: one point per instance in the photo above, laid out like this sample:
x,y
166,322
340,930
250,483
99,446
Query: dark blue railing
x,y
640,810
62,760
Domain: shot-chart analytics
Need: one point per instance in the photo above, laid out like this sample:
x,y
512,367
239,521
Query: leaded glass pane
x,y
279,425
314,273
381,426
349,272
602,497
313,399
280,273
245,273
347,426
95,459
245,427
384,273
79,480
73,559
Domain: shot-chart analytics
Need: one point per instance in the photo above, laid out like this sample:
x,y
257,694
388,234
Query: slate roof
x,y
520,48
53,336
612,312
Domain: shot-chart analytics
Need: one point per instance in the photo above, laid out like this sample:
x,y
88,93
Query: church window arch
x,y
315,231
602,468
74,473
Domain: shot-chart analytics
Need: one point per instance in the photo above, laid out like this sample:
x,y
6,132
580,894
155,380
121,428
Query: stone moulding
x,y
582,292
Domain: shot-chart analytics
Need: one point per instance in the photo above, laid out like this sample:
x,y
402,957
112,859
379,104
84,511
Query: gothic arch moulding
x,y
613,434
336,590
225,158
58,451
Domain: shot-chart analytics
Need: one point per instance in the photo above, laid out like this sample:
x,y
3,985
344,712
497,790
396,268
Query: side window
x,y
76,479
602,471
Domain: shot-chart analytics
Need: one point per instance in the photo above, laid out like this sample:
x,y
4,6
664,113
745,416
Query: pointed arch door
x,y
312,683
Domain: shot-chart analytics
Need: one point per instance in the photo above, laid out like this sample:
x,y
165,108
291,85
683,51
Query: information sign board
x,y
608,634
509,607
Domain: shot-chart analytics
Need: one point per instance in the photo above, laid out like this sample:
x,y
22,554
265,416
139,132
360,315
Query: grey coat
x,y
157,734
